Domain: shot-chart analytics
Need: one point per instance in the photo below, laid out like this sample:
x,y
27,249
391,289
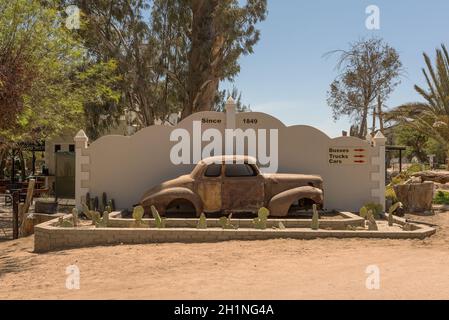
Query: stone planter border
x,y
49,237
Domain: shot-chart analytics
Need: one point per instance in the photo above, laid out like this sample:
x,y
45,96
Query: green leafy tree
x,y
369,73
57,78
414,140
431,116
172,59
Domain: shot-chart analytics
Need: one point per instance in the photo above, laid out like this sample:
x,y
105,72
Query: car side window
x,y
213,171
240,170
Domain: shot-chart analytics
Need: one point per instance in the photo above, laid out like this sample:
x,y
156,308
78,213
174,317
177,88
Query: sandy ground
x,y
275,269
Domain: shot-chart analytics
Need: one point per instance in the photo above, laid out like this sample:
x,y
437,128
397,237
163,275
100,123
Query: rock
x,y
434,176
415,197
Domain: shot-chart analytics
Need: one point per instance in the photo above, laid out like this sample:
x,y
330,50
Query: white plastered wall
x,y
126,166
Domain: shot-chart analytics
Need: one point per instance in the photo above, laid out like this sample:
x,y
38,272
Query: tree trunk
x,y
206,47
416,197
380,114
3,155
22,165
363,130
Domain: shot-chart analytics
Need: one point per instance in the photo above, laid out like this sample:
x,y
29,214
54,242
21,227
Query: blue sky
x,y
287,75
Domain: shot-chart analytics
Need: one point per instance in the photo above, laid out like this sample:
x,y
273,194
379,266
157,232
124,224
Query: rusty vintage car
x,y
234,184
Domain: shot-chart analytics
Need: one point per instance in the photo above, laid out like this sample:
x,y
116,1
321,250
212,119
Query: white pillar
x,y
379,141
231,109
82,162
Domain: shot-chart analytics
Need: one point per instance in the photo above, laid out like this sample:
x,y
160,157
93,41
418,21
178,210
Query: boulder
x,y
416,197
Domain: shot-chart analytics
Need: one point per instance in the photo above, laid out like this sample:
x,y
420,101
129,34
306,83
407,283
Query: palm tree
x,y
430,117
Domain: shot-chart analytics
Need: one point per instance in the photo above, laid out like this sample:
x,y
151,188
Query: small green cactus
x,y
88,200
225,222
87,212
372,225
392,210
375,208
160,222
64,223
104,221
112,204
104,199
75,217
91,214
202,222
96,217
96,204
261,221
363,212
281,225
315,218
138,213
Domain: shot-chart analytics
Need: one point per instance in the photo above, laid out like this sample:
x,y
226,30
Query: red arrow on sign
x,y
359,161
359,156
359,150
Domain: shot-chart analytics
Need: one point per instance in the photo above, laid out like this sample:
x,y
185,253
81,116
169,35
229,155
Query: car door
x,y
209,188
243,188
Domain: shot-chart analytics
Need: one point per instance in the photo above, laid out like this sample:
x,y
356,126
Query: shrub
x,y
441,197
414,168
375,208
390,194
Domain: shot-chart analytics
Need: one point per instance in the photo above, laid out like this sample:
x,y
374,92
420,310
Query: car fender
x,y
163,198
280,203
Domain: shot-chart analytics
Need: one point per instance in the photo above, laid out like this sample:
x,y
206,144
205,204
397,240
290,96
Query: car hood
x,y
185,181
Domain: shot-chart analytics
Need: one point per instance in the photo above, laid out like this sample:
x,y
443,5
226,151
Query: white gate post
x,y
82,163
379,141
231,109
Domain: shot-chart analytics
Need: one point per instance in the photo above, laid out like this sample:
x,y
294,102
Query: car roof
x,y
229,159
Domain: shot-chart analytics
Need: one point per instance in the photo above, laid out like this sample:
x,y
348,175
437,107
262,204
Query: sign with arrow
x,y
348,155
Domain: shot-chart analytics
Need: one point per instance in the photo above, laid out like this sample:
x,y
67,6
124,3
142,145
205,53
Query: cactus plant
x,y
64,223
95,204
375,208
138,213
88,200
104,221
202,222
91,214
281,225
392,210
104,200
372,225
160,222
363,212
315,218
112,204
91,204
225,222
75,217
261,221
